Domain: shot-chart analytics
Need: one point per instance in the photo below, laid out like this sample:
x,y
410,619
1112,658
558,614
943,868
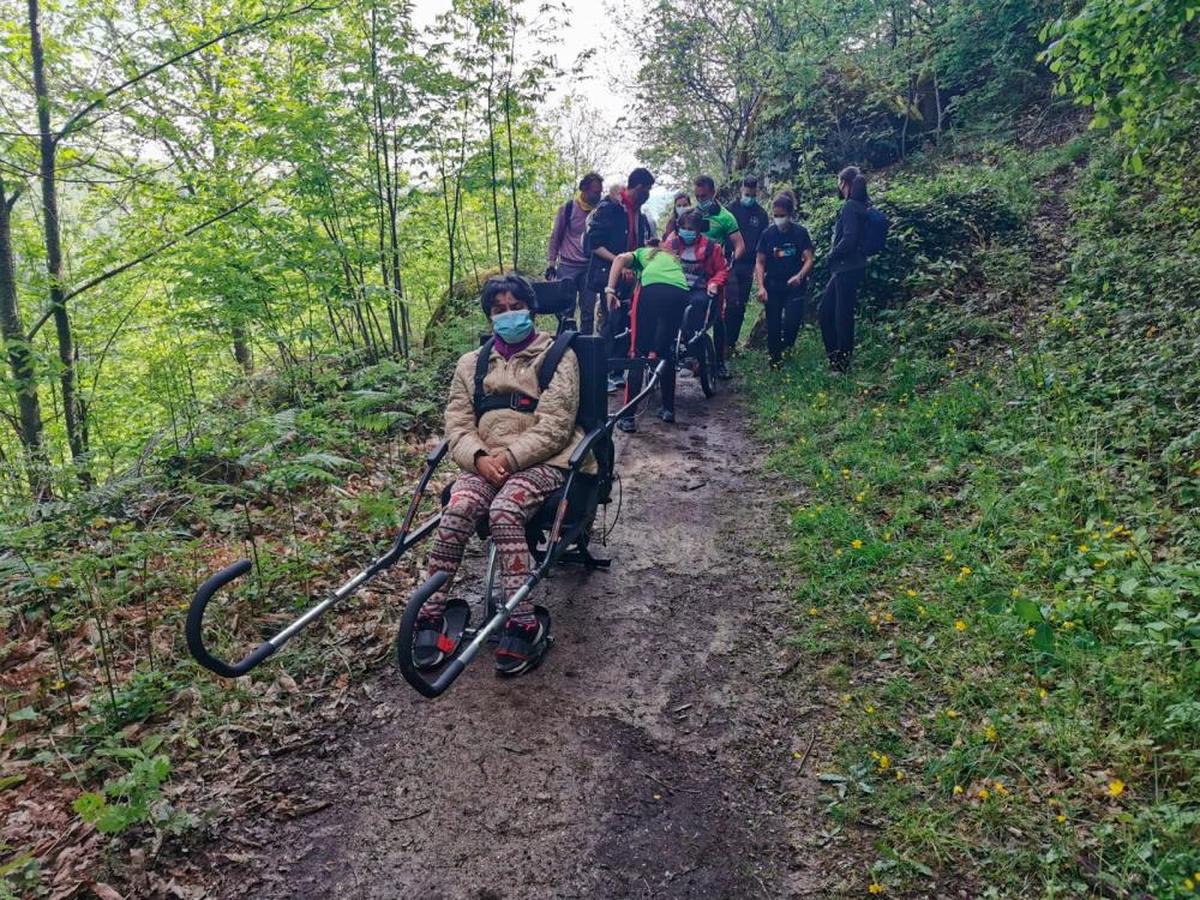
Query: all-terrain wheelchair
x,y
695,351
561,532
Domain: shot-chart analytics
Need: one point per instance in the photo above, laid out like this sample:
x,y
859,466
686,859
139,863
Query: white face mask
x,y
781,221
681,207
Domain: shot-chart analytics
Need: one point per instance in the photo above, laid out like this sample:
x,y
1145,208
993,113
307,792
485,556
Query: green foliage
x,y
135,797
995,553
1136,64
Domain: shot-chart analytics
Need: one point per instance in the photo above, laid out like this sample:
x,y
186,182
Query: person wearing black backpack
x,y
617,226
847,267
565,259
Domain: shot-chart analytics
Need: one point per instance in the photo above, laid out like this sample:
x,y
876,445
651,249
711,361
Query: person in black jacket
x,y
614,227
847,266
752,221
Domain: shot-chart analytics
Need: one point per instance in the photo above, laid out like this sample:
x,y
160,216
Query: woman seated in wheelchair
x,y
513,450
703,263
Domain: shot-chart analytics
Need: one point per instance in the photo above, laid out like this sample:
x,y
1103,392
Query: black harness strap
x,y
516,400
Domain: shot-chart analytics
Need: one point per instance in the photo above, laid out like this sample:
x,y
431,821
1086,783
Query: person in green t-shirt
x,y
659,301
722,228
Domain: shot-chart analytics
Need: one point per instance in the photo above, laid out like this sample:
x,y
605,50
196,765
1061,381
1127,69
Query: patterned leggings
x,y
508,509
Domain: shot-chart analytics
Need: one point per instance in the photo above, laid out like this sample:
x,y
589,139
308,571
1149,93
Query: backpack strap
x,y
553,357
481,369
564,213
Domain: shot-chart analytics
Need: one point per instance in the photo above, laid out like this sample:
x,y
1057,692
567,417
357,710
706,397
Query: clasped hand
x,y
494,469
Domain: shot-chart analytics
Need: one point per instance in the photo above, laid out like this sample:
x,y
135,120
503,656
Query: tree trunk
x,y
242,350
62,323
491,126
20,359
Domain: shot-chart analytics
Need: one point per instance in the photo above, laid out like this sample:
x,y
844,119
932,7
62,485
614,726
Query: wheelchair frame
x,y
558,546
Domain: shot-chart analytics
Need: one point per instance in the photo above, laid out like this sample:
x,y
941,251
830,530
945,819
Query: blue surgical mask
x,y
706,204
747,200
513,326
687,235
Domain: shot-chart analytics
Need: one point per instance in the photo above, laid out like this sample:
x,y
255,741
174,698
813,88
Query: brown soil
x,y
657,751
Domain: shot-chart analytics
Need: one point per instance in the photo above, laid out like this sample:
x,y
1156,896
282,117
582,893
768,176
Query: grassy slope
x,y
994,560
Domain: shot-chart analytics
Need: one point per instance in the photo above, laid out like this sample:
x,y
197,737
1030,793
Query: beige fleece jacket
x,y
548,435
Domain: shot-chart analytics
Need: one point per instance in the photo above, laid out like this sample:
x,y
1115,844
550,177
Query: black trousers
x,y
785,314
586,297
837,316
657,313
737,296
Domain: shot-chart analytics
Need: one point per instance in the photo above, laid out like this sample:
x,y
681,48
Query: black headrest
x,y
555,297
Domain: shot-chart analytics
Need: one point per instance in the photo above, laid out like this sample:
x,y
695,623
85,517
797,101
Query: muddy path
x,y
656,753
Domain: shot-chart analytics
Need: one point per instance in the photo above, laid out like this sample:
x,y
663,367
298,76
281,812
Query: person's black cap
x,y
640,176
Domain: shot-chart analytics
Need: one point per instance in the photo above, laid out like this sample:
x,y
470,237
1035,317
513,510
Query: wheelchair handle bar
x,y
194,628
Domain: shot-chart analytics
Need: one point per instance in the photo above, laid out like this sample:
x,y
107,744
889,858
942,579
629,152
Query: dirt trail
x,y
653,754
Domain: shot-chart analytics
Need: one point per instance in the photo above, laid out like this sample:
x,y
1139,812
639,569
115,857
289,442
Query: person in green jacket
x,y
659,302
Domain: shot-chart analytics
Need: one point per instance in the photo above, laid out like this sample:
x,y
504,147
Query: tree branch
x,y
74,122
117,270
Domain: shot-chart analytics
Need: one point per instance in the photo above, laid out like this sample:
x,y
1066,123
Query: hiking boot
x,y
627,424
522,646
776,364
667,415
722,372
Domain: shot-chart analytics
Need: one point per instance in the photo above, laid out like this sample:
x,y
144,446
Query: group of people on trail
x,y
766,254
511,431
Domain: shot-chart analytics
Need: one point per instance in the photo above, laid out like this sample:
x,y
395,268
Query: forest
x,y
241,247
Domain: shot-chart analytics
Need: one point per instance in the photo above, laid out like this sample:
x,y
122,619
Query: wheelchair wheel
x,y
706,356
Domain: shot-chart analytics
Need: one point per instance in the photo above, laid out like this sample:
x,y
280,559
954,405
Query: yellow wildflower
x,y
984,793
1068,625
869,709
1116,787
1043,693
1083,548
875,888
856,544
960,625
1061,818
1030,632
964,571
990,734
812,611
920,610
899,775
958,789
949,555
884,762
952,714
910,593
1001,790
860,496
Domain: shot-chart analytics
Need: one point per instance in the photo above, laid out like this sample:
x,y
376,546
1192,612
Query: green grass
x,y
1009,627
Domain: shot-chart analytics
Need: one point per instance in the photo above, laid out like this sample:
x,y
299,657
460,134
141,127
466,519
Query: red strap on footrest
x,y
446,644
